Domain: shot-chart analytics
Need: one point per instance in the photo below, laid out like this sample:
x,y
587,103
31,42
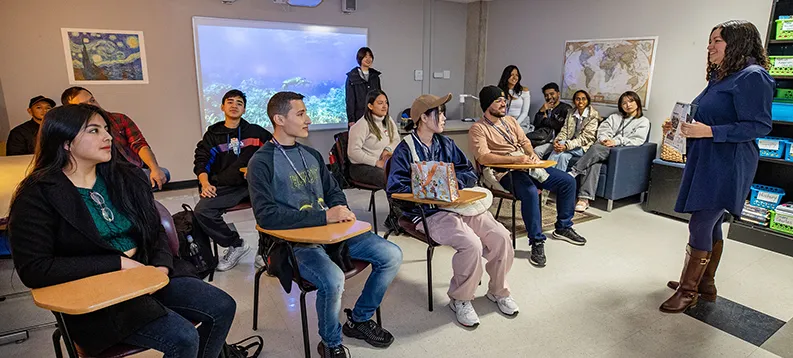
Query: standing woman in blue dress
x,y
733,110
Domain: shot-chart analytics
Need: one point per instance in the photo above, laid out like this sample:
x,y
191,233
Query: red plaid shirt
x,y
127,137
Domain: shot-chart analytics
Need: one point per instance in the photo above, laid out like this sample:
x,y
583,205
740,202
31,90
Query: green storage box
x,y
781,65
784,29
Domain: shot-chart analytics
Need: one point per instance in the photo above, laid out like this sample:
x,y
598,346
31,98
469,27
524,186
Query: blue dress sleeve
x,y
752,99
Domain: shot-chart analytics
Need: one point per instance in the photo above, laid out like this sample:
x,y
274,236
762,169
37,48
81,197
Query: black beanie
x,y
488,95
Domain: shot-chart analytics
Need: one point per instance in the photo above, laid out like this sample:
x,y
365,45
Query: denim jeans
x,y
558,182
187,300
317,268
562,159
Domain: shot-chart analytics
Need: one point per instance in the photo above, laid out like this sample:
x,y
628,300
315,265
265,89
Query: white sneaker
x,y
465,313
232,257
581,206
506,305
258,262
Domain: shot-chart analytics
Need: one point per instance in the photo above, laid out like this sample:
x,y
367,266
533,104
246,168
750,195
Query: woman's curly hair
x,y
744,46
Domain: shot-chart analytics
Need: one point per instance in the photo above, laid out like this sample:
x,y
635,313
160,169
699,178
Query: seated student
x,y
301,192
549,120
578,132
129,139
473,237
372,141
519,99
22,139
496,139
85,211
225,149
627,128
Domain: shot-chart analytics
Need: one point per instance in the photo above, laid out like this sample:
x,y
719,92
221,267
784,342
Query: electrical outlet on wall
x,y
437,75
447,74
418,75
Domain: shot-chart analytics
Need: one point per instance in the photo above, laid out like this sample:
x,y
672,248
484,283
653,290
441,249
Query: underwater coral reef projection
x,y
262,58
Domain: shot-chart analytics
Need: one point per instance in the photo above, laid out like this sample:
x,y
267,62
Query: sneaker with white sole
x,y
581,206
232,257
258,262
506,305
465,313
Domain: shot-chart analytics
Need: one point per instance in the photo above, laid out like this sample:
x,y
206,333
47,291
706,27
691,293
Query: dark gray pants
x,y
209,212
589,166
368,174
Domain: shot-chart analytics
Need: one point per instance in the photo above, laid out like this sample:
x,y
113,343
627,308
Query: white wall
x,y
32,59
531,35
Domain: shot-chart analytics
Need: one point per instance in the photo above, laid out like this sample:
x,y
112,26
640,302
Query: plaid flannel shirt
x,y
128,137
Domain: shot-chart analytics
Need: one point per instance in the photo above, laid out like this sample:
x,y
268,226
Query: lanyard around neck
x,y
304,181
507,137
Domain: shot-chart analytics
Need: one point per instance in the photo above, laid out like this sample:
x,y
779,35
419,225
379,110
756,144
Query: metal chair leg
x,y
430,252
67,338
373,205
514,235
215,248
258,277
304,318
56,343
498,210
610,205
379,320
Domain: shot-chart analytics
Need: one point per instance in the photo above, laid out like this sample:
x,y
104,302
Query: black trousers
x,y
209,212
368,174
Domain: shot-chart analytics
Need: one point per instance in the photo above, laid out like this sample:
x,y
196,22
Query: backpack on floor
x,y
241,350
336,158
199,251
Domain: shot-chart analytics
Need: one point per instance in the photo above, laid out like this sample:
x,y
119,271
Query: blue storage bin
x,y
766,196
767,152
789,151
782,111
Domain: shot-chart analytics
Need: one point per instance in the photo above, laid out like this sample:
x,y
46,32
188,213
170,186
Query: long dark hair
x,y
369,116
502,83
744,46
635,97
128,189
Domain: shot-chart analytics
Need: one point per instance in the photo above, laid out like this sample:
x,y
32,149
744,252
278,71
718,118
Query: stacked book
x,y
755,214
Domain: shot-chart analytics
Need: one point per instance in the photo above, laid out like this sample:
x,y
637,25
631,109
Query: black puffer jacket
x,y
356,90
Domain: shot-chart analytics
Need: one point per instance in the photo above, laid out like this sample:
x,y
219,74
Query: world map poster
x,y
104,56
607,68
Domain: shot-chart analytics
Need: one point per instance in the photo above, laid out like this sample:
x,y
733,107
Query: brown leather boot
x,y
686,294
707,287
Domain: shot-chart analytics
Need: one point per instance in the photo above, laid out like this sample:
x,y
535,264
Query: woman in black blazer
x,y
84,211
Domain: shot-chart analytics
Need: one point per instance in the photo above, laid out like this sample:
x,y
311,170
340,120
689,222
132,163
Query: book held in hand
x,y
673,148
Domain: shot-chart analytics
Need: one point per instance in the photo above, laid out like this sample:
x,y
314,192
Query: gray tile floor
x,y
599,300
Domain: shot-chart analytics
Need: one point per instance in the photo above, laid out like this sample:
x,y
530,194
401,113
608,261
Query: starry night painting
x,y
105,56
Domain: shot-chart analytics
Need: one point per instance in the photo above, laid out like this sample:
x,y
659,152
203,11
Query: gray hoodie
x,y
624,131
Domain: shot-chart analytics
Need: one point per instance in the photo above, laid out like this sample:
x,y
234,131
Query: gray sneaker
x,y
232,257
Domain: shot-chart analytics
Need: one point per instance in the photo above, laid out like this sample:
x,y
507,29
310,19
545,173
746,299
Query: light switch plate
x,y
447,74
418,75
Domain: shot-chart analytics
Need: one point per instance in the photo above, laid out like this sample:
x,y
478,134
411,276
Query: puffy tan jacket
x,y
589,128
